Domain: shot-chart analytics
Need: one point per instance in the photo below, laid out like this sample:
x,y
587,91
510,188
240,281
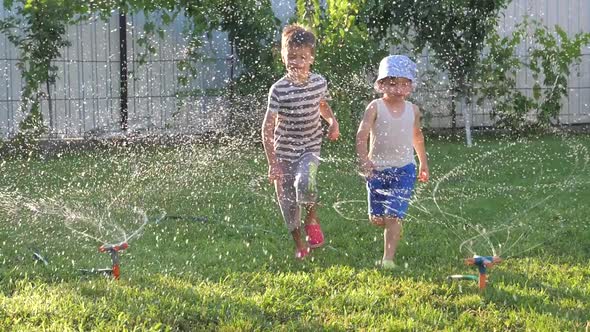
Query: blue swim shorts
x,y
389,191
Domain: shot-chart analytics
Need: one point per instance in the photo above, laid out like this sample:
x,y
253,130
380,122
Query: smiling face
x,y
298,61
396,86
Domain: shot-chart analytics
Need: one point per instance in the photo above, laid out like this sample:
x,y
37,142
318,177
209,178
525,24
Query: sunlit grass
x,y
214,253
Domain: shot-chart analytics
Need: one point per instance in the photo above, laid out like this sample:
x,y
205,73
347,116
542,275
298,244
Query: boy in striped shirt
x,y
292,136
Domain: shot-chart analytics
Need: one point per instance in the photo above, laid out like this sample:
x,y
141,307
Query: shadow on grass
x,y
517,290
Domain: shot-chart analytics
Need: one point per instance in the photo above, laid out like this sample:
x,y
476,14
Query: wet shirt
x,y
298,129
391,143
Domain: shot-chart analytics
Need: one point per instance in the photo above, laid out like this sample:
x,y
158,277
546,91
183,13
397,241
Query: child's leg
x,y
391,237
377,201
400,191
306,186
300,244
290,209
307,193
389,193
378,221
306,181
311,217
315,236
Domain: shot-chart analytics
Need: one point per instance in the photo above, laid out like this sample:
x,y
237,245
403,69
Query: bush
x,y
552,55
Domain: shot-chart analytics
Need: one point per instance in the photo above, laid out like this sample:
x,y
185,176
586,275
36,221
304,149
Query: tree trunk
x,y
466,111
453,115
50,108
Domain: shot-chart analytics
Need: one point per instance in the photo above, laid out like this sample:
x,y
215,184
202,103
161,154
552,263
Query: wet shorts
x,y
297,187
389,191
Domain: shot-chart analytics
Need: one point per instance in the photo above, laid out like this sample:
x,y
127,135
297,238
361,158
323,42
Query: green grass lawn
x,y
222,258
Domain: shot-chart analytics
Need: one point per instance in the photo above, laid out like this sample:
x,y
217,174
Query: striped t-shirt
x,y
298,129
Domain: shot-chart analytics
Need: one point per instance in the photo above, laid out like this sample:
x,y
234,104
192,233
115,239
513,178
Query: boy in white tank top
x,y
387,137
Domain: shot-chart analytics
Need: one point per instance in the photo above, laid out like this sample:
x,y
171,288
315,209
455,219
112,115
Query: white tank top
x,y
392,137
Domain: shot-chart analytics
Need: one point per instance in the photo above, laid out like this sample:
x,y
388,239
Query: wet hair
x,y
295,35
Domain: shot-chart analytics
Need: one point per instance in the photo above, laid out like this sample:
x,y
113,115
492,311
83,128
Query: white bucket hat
x,y
396,66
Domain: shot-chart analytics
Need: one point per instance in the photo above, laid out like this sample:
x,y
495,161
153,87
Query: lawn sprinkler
x,y
112,249
482,263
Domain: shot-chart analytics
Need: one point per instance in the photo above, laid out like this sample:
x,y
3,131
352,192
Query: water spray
x,y
482,263
112,249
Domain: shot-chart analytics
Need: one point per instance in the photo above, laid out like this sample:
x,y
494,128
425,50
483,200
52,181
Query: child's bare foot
x,y
300,254
386,264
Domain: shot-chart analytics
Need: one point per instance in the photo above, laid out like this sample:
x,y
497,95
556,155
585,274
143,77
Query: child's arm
x,y
420,147
362,139
327,114
268,127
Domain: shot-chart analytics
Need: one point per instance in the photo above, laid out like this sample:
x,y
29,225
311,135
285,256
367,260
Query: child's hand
x,y
366,168
424,174
274,173
333,131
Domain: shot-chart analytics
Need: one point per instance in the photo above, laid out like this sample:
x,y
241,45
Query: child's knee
x,y
392,221
309,207
384,221
306,188
377,221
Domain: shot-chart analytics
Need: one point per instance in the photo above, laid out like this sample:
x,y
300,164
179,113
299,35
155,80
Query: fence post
x,y
123,69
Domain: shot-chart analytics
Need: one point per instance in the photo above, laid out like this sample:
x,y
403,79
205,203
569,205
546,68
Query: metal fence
x,y
86,98
571,15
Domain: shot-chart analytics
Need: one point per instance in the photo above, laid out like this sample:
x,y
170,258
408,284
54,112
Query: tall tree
x,y
345,50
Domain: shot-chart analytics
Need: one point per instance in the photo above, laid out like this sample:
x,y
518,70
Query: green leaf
x,y
149,27
537,91
166,18
562,34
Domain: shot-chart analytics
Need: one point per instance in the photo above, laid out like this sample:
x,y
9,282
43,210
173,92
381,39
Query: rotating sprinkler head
x,y
483,263
112,249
